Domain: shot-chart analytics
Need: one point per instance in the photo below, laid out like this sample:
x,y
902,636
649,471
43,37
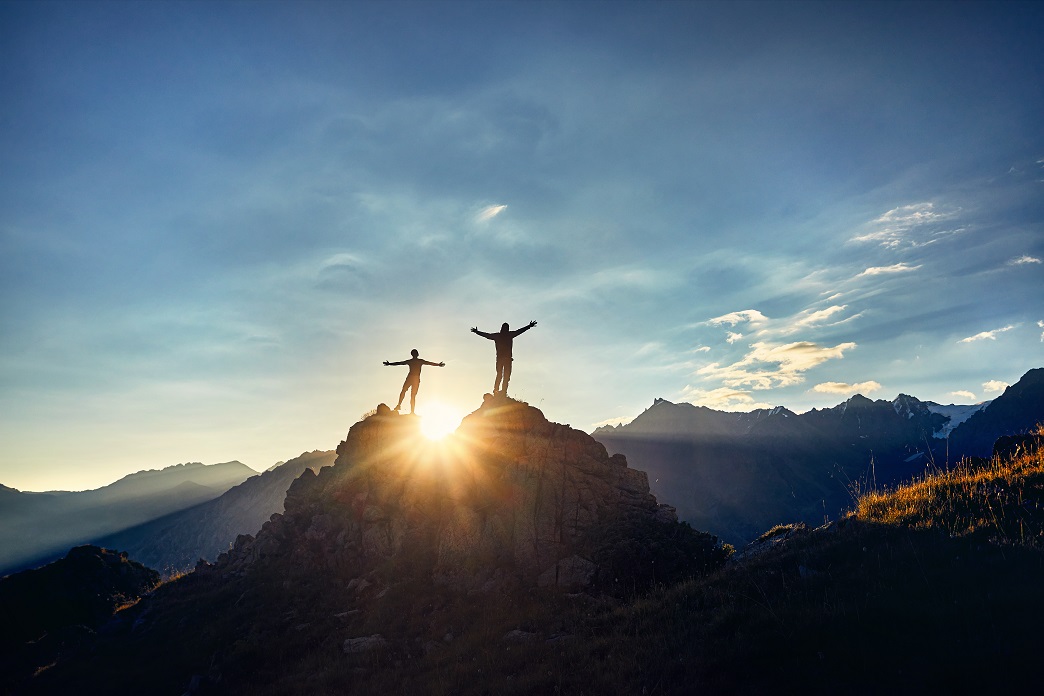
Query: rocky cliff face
x,y
510,500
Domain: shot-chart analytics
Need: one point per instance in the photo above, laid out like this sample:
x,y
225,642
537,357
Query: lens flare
x,y
439,420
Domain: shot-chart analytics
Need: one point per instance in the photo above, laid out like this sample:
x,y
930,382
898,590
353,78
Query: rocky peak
x,y
510,499
857,401
908,406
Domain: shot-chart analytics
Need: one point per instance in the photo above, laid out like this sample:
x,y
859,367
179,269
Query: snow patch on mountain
x,y
957,414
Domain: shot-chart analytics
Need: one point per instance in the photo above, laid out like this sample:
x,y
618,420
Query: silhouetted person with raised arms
x,y
503,341
413,378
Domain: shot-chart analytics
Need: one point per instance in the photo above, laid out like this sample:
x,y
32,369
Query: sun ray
x,y
439,420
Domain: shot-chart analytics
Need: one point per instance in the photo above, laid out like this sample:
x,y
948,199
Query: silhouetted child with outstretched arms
x,y
503,342
413,378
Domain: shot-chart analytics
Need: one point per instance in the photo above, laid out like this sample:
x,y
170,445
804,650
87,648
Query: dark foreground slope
x,y
405,552
932,588
175,542
56,609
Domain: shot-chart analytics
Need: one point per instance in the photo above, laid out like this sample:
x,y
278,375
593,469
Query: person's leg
x,y
507,374
413,396
402,394
500,373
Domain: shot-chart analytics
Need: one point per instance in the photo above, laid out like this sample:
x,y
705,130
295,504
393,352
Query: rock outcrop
x,y
509,500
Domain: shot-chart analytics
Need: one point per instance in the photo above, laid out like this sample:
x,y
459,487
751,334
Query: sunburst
x,y
439,420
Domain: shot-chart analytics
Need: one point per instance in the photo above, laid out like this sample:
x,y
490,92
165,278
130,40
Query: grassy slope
x,y
932,588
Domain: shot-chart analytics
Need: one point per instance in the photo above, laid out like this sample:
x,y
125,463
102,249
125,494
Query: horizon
x,y
218,219
590,431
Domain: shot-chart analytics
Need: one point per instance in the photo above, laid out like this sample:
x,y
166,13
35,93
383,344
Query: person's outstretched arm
x,y
525,328
401,362
438,364
483,334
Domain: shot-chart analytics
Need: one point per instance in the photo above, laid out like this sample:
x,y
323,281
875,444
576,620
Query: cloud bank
x,y
769,365
722,399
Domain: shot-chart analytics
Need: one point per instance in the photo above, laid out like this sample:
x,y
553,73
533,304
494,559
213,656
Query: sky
x,y
218,219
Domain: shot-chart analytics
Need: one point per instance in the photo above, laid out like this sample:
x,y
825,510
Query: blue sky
x,y
217,219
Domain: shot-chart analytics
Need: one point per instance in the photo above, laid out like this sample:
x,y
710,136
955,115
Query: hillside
x,y
408,539
928,589
36,528
737,474
175,542
55,610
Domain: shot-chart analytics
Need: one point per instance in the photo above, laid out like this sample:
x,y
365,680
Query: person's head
x,y
414,352
504,328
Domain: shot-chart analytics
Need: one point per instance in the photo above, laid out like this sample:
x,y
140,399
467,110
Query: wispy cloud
x,y
912,225
769,365
340,260
1023,260
867,387
994,385
722,399
984,335
1040,324
810,318
884,270
963,395
751,316
489,212
732,336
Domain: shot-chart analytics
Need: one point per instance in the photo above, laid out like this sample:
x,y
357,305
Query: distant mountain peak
x,y
908,406
735,473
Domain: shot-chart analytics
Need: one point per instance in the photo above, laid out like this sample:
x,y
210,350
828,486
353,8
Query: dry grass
x,y
1000,498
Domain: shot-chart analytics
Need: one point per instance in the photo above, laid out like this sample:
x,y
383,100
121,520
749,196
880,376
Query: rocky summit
x,y
404,552
510,500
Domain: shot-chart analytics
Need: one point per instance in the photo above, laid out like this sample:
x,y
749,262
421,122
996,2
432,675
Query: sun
x,y
439,420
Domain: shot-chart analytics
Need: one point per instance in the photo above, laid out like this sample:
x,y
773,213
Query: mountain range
x,y
737,474
38,527
174,543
